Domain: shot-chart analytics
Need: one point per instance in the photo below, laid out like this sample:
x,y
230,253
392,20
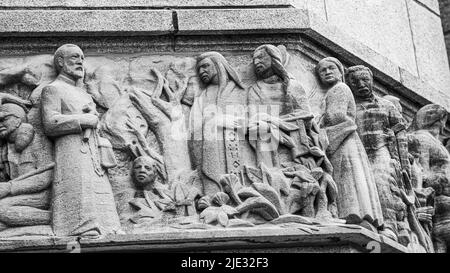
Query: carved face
x,y
262,62
207,71
8,124
361,83
329,73
72,63
144,171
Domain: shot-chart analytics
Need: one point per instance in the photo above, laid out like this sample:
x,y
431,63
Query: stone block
x,y
382,25
422,91
140,3
431,54
350,49
433,5
84,22
215,21
265,239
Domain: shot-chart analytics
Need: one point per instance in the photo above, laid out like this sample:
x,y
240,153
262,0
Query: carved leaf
x,y
221,198
209,215
203,203
230,211
222,218
259,205
270,194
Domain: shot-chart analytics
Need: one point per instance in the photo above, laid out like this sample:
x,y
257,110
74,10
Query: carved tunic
x,y
267,96
357,192
83,198
378,120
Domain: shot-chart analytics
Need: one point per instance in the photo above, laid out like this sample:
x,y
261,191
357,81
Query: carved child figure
x,y
153,198
25,198
382,131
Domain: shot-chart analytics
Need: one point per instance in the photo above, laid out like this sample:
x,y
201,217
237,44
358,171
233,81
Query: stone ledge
x,y
94,22
237,239
142,4
234,21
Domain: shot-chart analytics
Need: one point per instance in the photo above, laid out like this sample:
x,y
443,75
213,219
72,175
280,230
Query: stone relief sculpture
x,y
91,154
216,114
83,202
433,157
285,137
25,197
357,200
383,133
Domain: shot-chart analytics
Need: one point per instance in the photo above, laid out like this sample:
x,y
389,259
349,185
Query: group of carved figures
x,y
221,153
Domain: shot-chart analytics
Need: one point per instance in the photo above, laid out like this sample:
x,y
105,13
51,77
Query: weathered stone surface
x,y
240,21
140,3
353,50
389,36
292,239
98,22
431,54
422,90
433,5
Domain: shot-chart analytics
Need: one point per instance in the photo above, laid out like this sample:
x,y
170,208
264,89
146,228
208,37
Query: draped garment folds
x,y
357,193
218,151
82,199
287,114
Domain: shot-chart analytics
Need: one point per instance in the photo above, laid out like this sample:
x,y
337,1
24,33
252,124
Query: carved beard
x,y
264,74
74,71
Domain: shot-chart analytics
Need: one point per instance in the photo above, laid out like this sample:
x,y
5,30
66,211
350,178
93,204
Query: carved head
x,y
144,171
213,68
11,117
431,117
207,71
268,61
330,71
360,80
68,60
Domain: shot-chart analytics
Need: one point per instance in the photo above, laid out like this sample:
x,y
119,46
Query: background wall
x,y
445,16
408,32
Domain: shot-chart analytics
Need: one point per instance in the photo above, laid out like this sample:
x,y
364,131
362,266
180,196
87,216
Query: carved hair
x,y
357,68
277,63
427,116
335,61
224,70
59,53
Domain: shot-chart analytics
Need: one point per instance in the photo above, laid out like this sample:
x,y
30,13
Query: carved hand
x,y
5,189
88,121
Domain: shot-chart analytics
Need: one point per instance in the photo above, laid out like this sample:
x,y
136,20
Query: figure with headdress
x,y
285,138
25,198
357,200
219,110
434,159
